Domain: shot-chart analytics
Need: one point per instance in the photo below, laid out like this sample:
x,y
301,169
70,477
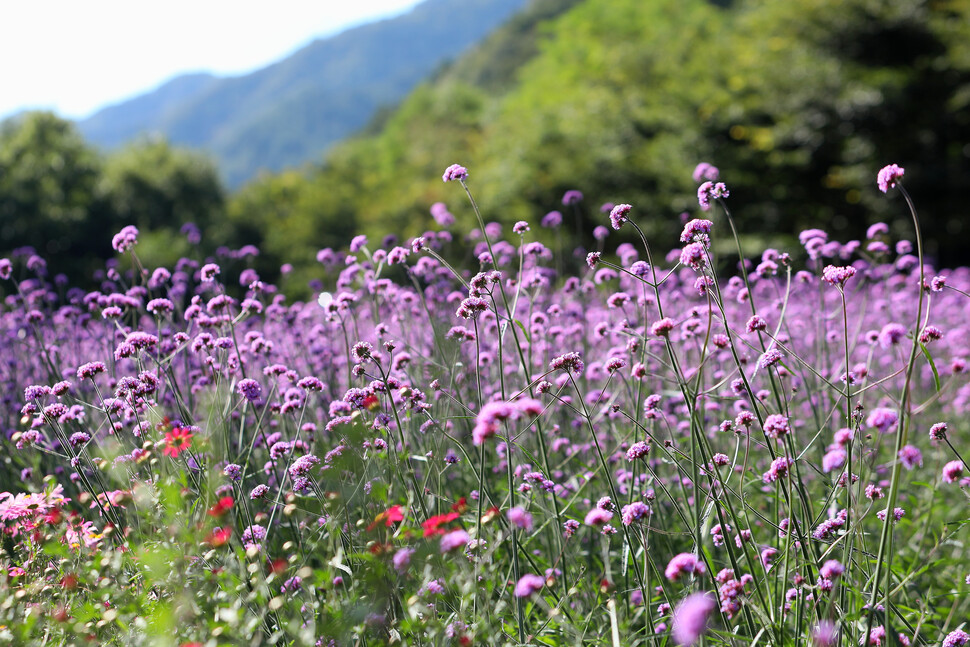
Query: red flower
x,y
389,516
177,441
219,537
432,525
221,507
490,515
461,506
277,566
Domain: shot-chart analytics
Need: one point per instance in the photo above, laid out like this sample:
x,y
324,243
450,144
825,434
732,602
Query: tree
x,y
48,193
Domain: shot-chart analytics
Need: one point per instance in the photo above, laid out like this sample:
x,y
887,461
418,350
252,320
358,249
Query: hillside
x,y
292,111
798,102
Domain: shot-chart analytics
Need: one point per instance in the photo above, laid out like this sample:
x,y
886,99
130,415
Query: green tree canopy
x,y
48,192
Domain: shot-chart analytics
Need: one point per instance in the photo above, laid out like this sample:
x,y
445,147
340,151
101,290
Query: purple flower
x,y
570,362
690,618
634,512
771,357
888,176
597,517
489,419
957,638
303,465
209,272
882,419
520,517
232,471
710,190
402,559
705,171
891,334
551,220
697,231
253,535
454,539
618,215
776,426
779,467
357,243
638,450
125,239
825,634
79,438
898,514
831,569
528,584
682,564
662,328
249,389
952,471
593,259
520,227
6,268
756,323
90,369
837,275
834,459
441,215
455,172
938,431
160,306
694,255
910,456
572,197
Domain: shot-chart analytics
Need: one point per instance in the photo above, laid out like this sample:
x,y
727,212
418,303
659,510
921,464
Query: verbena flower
x,y
682,564
888,177
572,197
618,215
690,618
528,585
455,172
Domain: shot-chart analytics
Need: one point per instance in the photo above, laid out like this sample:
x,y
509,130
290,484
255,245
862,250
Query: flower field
x,y
648,451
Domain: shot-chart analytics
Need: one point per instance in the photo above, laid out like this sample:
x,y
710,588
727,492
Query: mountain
x,y
798,102
292,111
114,125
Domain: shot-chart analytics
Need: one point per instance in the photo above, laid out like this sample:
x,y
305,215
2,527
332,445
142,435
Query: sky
x,y
76,56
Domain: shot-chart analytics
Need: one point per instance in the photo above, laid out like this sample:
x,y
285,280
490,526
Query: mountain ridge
x,y
290,112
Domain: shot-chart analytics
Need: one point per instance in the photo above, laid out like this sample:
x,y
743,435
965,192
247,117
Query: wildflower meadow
x,y
500,450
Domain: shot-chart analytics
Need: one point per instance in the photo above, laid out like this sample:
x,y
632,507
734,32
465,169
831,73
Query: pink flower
x,y
455,172
683,563
454,539
690,618
831,569
597,517
520,517
910,457
826,634
888,176
952,471
528,584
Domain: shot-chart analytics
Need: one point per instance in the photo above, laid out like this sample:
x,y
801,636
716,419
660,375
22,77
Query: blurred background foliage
x,y
798,102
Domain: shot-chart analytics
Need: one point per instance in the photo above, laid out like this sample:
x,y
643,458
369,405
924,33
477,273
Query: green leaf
x,y
929,359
